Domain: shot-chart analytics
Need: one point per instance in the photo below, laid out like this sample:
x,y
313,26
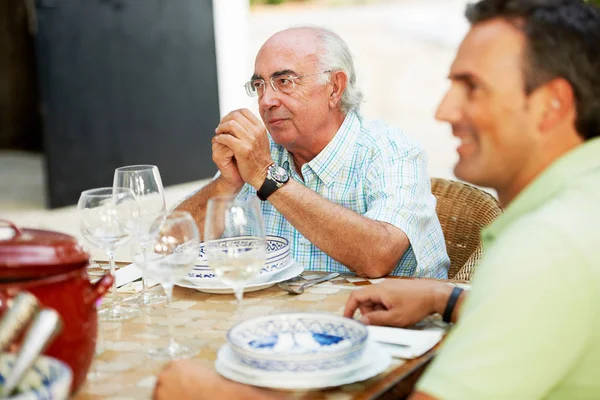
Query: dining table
x,y
121,370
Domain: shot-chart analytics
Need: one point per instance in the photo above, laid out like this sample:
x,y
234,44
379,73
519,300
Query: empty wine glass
x,y
145,182
174,250
234,237
106,222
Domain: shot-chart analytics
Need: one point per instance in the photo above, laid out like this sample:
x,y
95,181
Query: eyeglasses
x,y
280,83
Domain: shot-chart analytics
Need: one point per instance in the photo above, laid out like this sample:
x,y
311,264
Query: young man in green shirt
x,y
525,104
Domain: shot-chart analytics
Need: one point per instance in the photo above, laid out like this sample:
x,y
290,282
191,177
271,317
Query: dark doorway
x,y
125,82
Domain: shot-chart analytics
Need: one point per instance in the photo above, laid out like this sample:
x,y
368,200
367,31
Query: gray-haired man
x,y
329,180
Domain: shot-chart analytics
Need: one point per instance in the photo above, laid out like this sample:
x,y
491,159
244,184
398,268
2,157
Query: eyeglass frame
x,y
292,78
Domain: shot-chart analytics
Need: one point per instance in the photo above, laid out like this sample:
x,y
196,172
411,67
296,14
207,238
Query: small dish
x,y
297,342
49,378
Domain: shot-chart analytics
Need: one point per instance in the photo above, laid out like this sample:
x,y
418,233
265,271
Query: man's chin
x,y
471,173
281,137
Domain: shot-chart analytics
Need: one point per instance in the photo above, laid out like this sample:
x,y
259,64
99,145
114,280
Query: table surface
x,y
202,320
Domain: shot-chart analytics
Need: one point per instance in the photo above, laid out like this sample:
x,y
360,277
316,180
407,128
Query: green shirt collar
x,y
556,177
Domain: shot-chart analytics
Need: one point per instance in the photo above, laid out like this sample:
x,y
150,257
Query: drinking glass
x,y
174,250
145,182
106,222
234,237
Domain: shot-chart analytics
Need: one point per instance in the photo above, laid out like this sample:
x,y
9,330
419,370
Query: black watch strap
x,y
447,317
268,187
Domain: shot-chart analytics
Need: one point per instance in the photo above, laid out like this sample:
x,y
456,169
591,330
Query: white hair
x,y
334,55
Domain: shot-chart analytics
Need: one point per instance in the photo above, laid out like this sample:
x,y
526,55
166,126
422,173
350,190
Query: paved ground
x,y
402,50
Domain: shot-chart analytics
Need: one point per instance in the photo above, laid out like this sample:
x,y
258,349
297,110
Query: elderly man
x,y
327,179
525,103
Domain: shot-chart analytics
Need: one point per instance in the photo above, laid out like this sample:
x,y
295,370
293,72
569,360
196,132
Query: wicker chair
x,y
463,210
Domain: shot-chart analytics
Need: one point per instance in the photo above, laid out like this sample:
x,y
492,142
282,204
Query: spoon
x,y
23,308
44,328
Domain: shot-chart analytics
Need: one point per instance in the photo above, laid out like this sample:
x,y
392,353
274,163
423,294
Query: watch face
x,y
279,174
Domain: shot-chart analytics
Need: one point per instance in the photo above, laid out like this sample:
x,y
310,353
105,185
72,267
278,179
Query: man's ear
x,y
558,104
338,82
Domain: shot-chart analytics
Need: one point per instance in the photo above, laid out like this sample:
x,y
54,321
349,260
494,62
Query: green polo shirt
x,y
530,327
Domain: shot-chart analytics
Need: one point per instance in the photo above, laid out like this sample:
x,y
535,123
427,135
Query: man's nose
x,y
269,98
450,109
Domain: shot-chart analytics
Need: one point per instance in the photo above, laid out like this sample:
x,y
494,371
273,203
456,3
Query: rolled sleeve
x,y
399,193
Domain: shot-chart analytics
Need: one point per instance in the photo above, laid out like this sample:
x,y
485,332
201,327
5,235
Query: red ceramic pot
x,y
52,266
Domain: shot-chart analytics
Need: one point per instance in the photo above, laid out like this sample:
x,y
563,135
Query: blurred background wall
x,y
402,50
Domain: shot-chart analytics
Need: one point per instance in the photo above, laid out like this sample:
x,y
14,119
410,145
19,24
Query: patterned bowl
x,y
49,378
298,342
277,258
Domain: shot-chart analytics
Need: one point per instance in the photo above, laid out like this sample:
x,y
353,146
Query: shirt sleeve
x,y
525,324
399,193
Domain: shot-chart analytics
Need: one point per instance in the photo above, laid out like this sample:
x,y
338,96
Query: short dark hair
x,y
563,40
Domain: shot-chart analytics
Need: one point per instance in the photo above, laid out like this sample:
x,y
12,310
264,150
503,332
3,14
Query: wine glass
x,y
234,237
145,182
175,248
106,222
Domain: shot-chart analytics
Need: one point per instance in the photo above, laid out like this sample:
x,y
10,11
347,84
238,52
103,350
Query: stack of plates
x,y
279,267
300,351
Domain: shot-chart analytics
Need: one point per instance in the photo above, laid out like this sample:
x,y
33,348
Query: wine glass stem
x,y
168,288
115,298
239,295
144,278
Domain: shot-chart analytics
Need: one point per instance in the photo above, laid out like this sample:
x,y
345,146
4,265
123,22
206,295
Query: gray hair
x,y
334,54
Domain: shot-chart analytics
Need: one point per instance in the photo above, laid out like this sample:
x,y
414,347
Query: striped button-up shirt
x,y
375,171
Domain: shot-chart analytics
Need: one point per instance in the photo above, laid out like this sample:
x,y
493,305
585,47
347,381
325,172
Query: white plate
x,y
374,361
262,277
219,288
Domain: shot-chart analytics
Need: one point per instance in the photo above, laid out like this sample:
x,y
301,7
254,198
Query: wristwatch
x,y
276,178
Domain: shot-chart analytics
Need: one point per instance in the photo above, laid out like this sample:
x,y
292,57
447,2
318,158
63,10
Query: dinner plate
x,y
219,288
203,278
374,361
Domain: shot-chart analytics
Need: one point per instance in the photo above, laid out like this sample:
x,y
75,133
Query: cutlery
x,y
300,289
44,328
16,318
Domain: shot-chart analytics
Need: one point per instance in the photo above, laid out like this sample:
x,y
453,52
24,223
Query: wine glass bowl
x,y
170,258
234,262
146,185
106,222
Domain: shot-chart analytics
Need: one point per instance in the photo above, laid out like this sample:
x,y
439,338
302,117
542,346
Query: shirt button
x,y
303,241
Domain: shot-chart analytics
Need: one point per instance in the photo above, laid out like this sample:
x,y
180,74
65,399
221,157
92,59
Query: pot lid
x,y
33,253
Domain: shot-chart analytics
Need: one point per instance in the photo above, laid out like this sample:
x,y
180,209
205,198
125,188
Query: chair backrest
x,y
463,211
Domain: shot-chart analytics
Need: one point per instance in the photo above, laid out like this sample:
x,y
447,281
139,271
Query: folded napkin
x,y
405,343
128,274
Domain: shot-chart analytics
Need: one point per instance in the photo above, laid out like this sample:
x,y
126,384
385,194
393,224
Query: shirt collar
x,y
578,162
330,160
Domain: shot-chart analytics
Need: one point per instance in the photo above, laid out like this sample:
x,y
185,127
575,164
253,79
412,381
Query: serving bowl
x,y
297,342
49,378
277,256
53,267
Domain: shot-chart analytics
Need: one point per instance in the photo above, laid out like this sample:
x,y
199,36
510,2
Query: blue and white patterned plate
x,y
374,361
215,286
49,378
299,342
277,258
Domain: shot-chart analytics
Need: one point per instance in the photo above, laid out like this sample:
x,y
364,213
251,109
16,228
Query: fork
x,y
300,290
